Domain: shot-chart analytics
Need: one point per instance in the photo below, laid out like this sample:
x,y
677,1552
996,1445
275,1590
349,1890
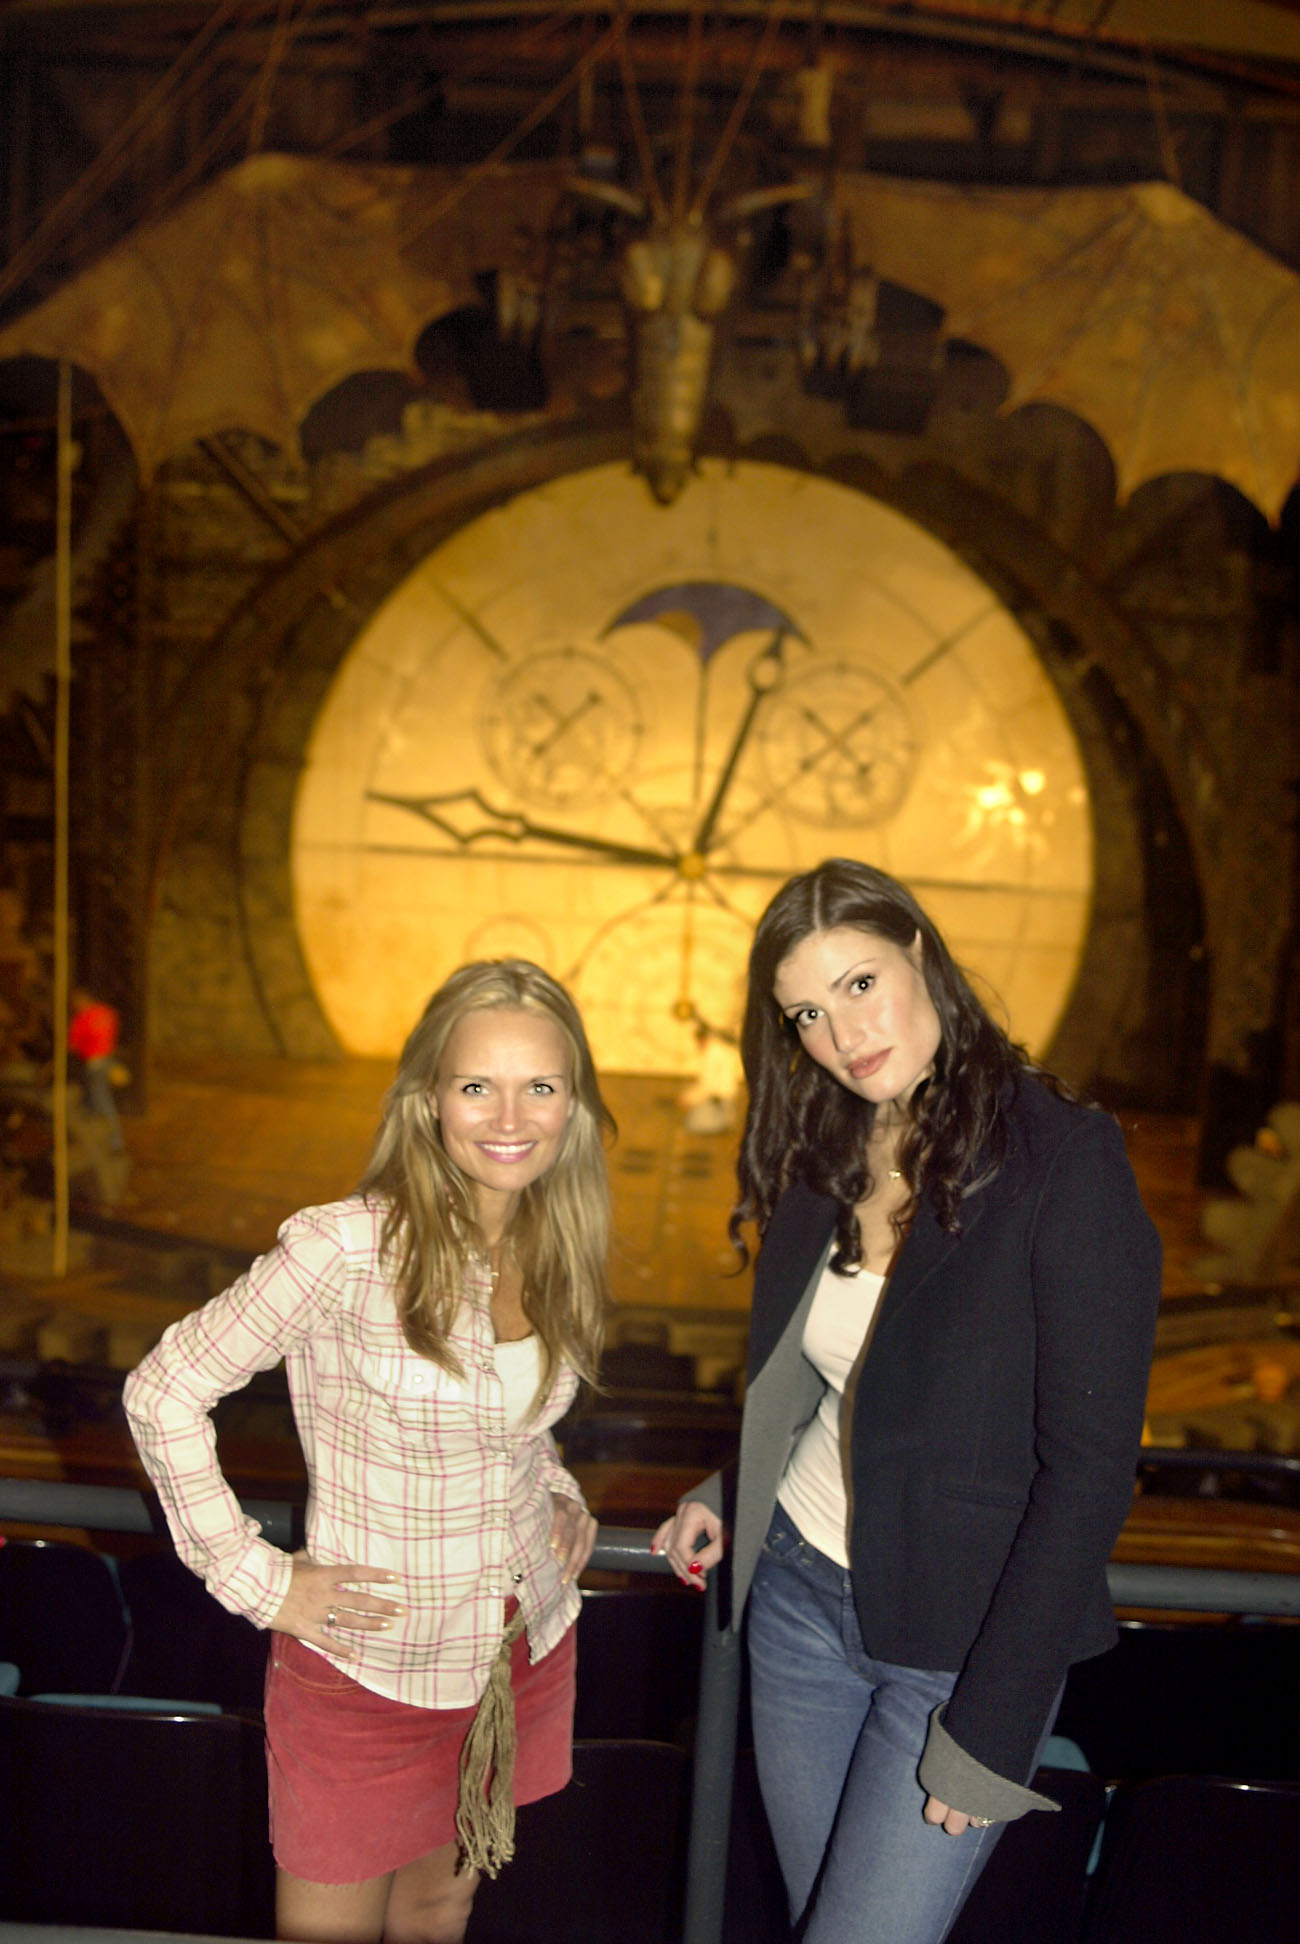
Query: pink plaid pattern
x,y
410,1468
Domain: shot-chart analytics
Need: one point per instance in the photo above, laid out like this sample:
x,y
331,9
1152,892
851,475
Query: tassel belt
x,y
485,1811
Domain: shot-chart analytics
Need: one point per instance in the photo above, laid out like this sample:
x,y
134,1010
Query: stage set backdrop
x,y
599,733
586,678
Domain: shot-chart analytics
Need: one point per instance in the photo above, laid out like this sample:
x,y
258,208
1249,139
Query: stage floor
x,y
228,1148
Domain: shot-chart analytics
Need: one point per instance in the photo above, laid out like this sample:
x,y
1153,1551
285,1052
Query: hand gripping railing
x,y
1195,1589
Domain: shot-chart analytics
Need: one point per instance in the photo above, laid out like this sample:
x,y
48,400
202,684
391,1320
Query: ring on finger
x,y
981,1822
330,1617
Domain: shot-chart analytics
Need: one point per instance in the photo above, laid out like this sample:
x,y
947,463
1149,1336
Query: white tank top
x,y
812,1488
519,1366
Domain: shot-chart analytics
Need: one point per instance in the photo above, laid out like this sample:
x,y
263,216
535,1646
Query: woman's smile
x,y
506,1150
503,1099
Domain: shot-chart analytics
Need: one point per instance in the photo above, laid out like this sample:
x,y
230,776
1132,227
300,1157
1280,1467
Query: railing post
x,y
714,1776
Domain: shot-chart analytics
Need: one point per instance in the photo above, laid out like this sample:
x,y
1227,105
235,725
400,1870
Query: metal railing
x,y
1194,1589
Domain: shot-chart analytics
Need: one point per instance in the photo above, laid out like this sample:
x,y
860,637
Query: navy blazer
x,y
996,1422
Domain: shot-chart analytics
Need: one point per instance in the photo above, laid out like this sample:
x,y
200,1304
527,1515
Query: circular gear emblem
x,y
561,728
839,745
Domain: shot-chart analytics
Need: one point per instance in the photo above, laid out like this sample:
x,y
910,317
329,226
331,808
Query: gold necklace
x,y
496,1259
876,1139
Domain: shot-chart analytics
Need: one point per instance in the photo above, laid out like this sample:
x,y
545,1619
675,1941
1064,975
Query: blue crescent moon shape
x,y
707,613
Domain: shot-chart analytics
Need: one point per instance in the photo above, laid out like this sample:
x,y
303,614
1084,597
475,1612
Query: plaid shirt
x,y
410,1468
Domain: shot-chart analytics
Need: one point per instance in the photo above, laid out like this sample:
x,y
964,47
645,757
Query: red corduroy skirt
x,y
361,1785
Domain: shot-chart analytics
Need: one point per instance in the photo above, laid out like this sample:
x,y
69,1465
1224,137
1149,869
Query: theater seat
x,y
1032,1889
62,1621
184,1642
638,1664
134,1820
1128,1709
1194,1859
605,1858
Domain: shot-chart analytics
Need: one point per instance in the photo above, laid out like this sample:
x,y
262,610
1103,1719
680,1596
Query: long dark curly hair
x,y
803,1125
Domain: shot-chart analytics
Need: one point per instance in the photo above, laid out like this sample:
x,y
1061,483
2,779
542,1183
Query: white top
x,y
519,1366
812,1488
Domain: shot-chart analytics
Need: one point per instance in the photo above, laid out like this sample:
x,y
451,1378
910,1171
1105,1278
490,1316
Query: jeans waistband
x,y
785,1542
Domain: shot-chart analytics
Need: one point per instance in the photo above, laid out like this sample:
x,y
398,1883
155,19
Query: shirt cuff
x,y
257,1586
948,1773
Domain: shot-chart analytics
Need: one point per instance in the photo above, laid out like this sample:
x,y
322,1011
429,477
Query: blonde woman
x,y
435,1324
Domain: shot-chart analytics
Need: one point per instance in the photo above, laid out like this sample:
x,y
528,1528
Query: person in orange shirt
x,y
92,1036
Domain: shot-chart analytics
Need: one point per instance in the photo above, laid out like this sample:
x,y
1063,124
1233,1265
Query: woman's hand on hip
x,y
573,1534
324,1602
679,1537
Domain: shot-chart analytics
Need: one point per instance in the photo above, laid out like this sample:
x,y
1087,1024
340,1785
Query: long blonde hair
x,y
559,1231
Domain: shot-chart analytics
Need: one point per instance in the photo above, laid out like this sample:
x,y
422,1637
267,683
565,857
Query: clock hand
x,y
763,674
830,738
913,674
773,874
515,829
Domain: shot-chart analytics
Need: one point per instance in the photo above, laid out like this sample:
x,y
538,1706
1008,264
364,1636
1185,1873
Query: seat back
x,y
638,1665
133,1820
603,1858
1195,1859
184,1643
62,1621
1032,1889
1129,1712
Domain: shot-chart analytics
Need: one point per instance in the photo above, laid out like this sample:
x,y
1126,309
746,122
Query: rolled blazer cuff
x,y
952,1776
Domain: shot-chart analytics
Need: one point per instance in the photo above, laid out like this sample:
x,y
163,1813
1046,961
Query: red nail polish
x,y
695,1567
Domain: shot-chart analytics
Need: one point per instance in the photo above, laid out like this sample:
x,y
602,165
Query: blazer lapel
x,y
783,1395
793,1248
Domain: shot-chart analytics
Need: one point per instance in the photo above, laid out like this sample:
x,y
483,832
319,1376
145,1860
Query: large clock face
x,y
600,733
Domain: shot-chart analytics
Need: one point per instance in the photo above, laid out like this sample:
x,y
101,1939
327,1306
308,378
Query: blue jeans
x,y
97,1094
838,1737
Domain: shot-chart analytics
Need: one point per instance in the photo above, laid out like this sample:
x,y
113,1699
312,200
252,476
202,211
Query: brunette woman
x,y
952,1324
435,1325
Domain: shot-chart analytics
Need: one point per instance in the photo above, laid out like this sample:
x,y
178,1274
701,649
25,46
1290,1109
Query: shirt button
x,y
518,1578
